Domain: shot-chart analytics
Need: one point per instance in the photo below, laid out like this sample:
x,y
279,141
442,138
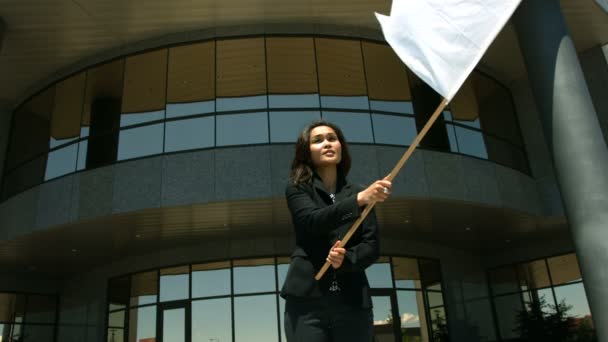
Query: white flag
x,y
442,40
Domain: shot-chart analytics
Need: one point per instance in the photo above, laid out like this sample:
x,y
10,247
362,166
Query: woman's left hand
x,y
336,255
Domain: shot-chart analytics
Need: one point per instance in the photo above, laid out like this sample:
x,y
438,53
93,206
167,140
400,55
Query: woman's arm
x,y
362,255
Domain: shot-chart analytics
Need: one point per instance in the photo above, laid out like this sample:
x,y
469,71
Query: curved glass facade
x,y
244,91
238,301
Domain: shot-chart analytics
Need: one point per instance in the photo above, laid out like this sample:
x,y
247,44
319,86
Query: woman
x,y
324,205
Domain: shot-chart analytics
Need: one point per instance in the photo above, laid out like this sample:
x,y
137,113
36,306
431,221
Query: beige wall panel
x,y
191,75
241,67
102,82
386,74
291,65
145,82
340,67
69,97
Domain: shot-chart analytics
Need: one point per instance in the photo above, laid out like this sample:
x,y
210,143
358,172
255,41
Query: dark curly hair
x,y
302,167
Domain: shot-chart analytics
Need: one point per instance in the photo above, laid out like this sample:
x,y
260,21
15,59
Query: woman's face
x,y
325,147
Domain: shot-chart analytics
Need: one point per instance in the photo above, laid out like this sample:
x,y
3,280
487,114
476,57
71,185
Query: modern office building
x,y
145,147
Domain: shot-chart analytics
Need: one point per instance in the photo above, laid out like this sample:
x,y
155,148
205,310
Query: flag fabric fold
x,y
441,41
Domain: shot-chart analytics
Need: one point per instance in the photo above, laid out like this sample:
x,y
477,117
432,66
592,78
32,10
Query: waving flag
x,y
442,40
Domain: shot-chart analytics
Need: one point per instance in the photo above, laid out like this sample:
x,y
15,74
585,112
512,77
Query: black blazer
x,y
318,224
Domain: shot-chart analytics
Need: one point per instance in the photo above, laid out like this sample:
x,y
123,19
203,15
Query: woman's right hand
x,y
378,191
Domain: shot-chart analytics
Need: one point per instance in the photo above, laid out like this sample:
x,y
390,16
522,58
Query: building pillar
x,y
5,123
574,137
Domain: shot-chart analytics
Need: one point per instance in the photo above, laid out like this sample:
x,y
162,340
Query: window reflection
x,y
174,283
128,119
533,275
40,309
356,126
394,130
379,274
564,269
503,280
211,279
144,288
191,75
406,273
240,129
340,68
145,82
286,126
574,296
412,316
294,101
348,102
140,141
255,319
255,275
471,142
142,324
190,134
241,103
241,69
61,162
401,107
211,319
38,333
67,110
283,53
175,110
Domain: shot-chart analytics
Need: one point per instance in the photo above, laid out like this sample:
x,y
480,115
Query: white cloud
x,y
408,319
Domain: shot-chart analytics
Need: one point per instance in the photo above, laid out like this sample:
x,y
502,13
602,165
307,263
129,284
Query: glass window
x,y
356,127
294,101
61,162
282,268
379,274
346,102
38,333
174,283
479,314
175,110
412,316
452,137
287,126
340,67
574,297
471,142
191,75
282,318
67,112
212,320
430,274
283,53
241,68
212,279
383,315
394,130
507,309
564,269
241,129
405,271
502,152
116,319
190,134
81,160
145,82
130,119
255,318
142,324
140,142
439,324
464,106
533,275
103,98
11,332
118,293
401,107
144,288
503,280
40,309
386,74
11,307
102,147
241,103
25,177
254,275
116,335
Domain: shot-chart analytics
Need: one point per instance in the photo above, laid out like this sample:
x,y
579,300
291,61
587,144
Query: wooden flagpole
x,y
389,177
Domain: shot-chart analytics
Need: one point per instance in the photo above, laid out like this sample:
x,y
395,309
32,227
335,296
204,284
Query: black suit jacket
x,y
318,224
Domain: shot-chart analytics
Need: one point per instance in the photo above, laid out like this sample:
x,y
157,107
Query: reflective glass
x,y
67,110
573,295
144,288
38,333
40,309
175,110
564,269
116,319
191,73
401,107
10,332
138,118
533,275
452,137
211,279
412,316
294,101
190,134
435,298
345,102
255,275
386,75
116,335
507,309
503,280
241,68
174,283
379,274
282,268
61,162
118,293
394,130
11,307
505,153
212,320
81,162
24,177
140,142
479,314
142,324
291,66
174,327
430,274
471,142
241,103
406,273
356,127
255,319
340,67
286,126
439,325
145,82
241,129
383,317
282,317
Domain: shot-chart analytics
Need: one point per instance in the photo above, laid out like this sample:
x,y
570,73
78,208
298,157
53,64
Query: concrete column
x,y
575,140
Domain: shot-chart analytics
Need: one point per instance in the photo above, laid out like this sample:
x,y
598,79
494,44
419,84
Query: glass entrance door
x,y
387,323
173,322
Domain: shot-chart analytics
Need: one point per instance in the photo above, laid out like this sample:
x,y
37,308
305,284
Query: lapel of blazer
x,y
343,188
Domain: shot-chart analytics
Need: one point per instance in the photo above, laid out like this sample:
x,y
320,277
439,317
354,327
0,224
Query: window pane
x,y
471,142
145,82
282,318
383,317
242,103
241,68
142,324
61,162
255,275
430,274
69,98
116,335
464,106
394,130
11,307
412,316
564,269
294,101
103,97
255,318
379,274
116,319
439,324
346,102
435,298
140,141
191,74
573,295
144,288
173,323
175,110
286,126
190,134
282,268
38,333
533,275
212,320
452,137
356,126
128,119
402,107
386,74
503,280
40,309
24,177
240,129
282,54
480,316
405,271
174,283
11,332
118,293
340,65
507,309
506,154
211,279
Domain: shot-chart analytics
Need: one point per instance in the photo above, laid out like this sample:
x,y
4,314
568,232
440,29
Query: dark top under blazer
x,y
318,224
